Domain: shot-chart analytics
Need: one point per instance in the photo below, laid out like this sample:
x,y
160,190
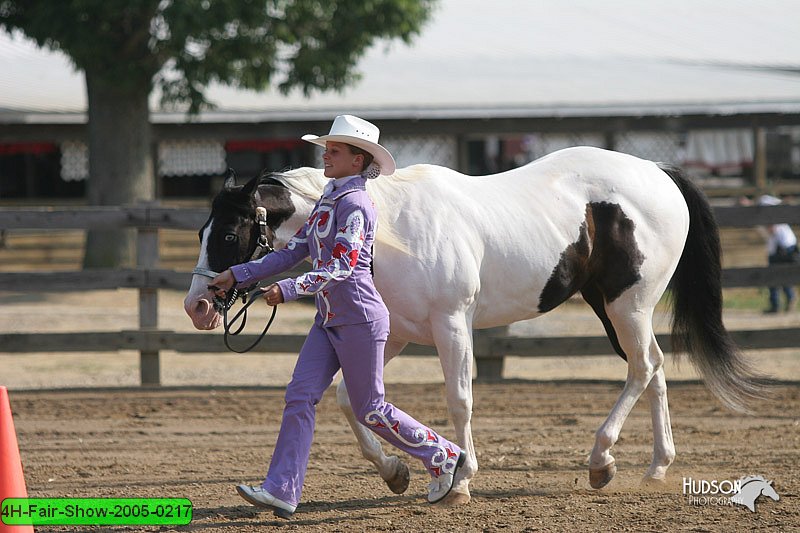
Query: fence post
x,y
760,159
490,365
147,258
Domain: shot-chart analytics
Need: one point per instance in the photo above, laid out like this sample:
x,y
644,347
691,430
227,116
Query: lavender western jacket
x,y
338,237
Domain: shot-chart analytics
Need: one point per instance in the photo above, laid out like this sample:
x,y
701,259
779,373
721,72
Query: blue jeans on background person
x,y
774,298
783,256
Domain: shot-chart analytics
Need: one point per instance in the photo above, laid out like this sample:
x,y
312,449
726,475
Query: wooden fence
x,y
490,346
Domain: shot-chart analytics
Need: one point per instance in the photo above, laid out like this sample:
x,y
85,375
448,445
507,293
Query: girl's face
x,y
339,161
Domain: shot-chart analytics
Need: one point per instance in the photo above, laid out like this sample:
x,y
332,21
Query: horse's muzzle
x,y
203,313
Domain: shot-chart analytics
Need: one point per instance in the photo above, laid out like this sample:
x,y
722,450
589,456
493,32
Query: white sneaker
x,y
440,487
259,497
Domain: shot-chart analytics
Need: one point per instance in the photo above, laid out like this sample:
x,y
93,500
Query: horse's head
x,y
769,491
750,488
231,236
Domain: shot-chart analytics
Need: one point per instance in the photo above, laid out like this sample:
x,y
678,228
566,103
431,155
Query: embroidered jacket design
x,y
343,258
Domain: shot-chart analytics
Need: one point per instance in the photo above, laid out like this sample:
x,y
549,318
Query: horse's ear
x,y
230,179
250,186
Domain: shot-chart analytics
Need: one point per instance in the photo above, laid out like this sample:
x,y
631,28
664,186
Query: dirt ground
x,y
533,439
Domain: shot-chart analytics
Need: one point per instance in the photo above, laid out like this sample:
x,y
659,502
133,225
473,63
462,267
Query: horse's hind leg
x,y
656,391
633,326
663,447
393,471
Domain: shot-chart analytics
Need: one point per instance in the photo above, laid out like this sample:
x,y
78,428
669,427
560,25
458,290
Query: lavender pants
x,y
358,350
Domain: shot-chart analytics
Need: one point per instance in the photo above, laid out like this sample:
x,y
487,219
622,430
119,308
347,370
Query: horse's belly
x,y
505,305
493,319
418,332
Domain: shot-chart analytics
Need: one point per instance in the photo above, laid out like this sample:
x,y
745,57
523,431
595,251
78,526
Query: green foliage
x,y
750,298
181,46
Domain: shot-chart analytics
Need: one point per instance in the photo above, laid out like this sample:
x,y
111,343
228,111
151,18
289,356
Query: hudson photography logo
x,y
744,491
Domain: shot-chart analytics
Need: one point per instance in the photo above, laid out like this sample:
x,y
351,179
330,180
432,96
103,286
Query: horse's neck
x,y
303,207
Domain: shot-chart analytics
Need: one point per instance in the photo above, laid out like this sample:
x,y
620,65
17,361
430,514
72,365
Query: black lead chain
x,y
227,303
243,314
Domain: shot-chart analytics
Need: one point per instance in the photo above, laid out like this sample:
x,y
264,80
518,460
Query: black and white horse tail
x,y
697,327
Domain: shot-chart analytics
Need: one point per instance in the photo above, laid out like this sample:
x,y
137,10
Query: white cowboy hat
x,y
358,132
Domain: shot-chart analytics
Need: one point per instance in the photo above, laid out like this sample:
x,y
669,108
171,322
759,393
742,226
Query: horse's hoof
x,y
600,477
398,483
456,498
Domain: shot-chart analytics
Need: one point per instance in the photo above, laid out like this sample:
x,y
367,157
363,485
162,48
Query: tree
x,y
126,49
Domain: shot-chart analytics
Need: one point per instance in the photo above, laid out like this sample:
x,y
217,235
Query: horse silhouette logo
x,y
750,488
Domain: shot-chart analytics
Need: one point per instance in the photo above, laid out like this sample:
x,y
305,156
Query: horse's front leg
x,y
393,471
453,338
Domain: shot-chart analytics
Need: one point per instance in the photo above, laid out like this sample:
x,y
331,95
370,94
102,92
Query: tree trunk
x,y
120,163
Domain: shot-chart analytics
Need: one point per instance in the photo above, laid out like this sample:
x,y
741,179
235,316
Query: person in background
x,y
781,249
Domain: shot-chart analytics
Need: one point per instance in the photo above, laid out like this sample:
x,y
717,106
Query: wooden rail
x,y
490,346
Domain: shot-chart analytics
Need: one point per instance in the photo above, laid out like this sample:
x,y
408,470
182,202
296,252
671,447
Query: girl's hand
x,y
273,294
222,283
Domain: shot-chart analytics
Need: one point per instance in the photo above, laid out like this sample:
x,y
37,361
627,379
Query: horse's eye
x,y
230,237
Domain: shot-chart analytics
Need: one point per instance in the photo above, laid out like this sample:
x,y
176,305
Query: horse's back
x,y
575,177
580,174
538,207
499,238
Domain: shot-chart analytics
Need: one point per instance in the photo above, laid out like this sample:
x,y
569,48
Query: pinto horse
x,y
455,253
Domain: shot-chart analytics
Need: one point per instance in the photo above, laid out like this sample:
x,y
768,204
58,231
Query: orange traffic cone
x,y
12,482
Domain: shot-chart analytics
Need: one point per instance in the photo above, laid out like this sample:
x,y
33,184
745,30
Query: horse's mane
x,y
305,181
749,479
309,182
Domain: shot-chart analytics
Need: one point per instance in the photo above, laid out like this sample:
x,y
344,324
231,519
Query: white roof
x,y
510,58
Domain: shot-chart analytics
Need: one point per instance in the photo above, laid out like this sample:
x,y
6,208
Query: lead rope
x,y
242,314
